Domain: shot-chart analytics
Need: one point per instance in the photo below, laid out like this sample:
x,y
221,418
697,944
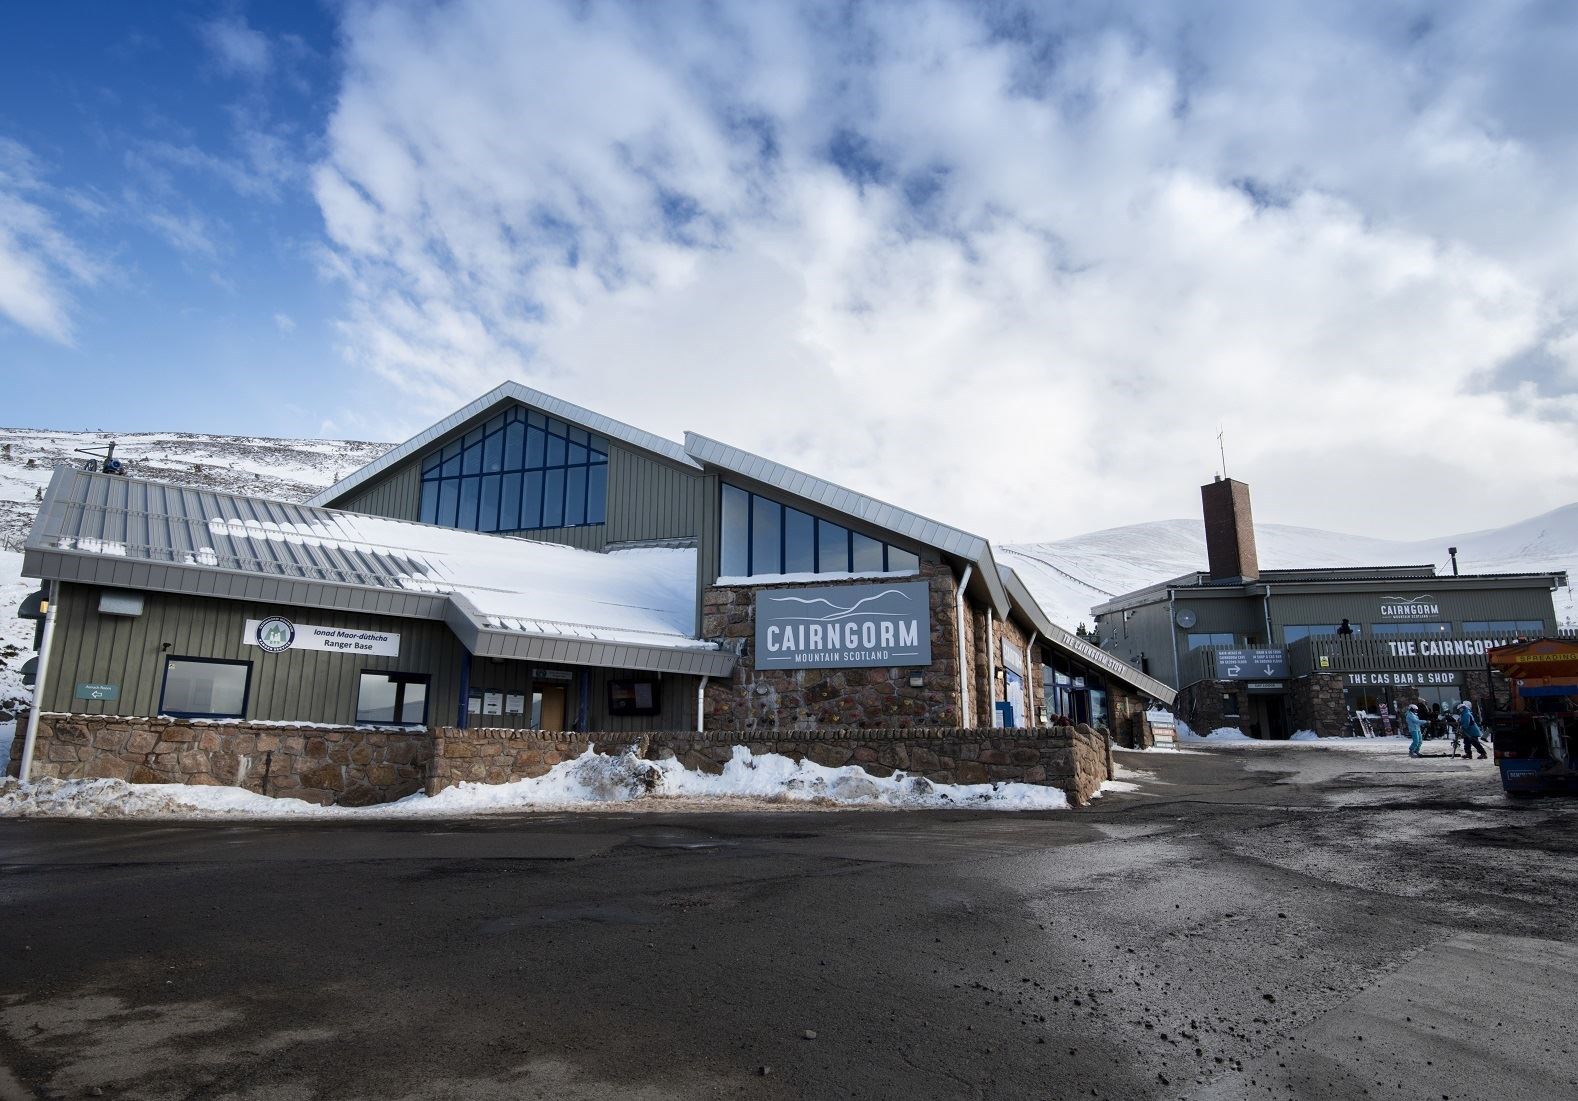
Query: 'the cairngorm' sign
x,y
844,626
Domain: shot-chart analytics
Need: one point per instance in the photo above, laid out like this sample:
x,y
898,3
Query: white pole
x,y
1030,685
701,706
991,672
40,683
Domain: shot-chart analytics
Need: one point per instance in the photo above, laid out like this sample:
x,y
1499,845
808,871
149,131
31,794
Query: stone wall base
x,y
354,766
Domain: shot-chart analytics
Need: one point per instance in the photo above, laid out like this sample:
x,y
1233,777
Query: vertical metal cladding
x,y
293,686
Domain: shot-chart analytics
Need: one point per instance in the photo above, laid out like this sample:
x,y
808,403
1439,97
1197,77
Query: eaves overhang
x,y
1066,640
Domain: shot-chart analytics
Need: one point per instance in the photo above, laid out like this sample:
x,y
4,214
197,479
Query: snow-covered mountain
x,y
1068,576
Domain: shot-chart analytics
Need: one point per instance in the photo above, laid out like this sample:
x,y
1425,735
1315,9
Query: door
x,y
549,705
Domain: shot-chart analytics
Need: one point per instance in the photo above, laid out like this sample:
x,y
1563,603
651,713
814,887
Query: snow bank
x,y
1220,734
1304,736
589,781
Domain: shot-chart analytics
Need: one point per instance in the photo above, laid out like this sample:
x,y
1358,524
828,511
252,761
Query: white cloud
x,y
285,323
237,48
39,263
1011,274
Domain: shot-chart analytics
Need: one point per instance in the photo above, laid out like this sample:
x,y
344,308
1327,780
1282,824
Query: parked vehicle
x,y
1533,715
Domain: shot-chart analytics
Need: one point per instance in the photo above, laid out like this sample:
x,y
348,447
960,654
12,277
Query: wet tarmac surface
x,y
1252,923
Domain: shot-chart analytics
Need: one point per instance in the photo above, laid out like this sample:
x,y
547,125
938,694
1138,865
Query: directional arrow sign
x,y
1232,670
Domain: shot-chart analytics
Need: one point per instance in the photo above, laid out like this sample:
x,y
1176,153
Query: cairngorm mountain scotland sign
x,y
1409,607
843,626
277,634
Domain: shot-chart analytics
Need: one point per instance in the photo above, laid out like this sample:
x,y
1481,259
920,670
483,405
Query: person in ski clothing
x,y
1471,731
1416,729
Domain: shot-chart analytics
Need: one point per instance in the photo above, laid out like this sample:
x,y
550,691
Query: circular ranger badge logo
x,y
275,634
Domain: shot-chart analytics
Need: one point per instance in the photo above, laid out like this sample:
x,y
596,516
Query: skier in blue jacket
x,y
1471,730
1416,729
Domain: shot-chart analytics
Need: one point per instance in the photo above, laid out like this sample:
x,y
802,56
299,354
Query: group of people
x,y
1467,729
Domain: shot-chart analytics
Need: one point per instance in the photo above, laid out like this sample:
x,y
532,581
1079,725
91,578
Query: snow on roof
x,y
162,536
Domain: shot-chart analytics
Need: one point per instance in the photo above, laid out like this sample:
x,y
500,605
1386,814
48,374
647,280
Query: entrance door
x,y
1015,698
548,702
1268,718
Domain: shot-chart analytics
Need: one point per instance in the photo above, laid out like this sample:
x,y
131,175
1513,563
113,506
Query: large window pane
x,y
575,496
867,554
413,705
799,542
599,449
210,689
534,447
902,560
596,493
766,524
469,492
375,698
531,499
510,502
514,446
493,453
577,454
430,463
553,499
471,463
429,502
555,451
448,499
832,548
736,560
488,510
451,460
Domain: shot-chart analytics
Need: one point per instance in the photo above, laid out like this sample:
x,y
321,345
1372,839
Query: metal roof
x,y
1334,578
879,514
509,391
1143,683
124,532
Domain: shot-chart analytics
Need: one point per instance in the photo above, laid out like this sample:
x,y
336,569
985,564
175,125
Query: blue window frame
x,y
763,537
521,471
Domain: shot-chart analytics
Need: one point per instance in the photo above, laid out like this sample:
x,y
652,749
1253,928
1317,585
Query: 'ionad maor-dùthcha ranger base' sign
x,y
843,626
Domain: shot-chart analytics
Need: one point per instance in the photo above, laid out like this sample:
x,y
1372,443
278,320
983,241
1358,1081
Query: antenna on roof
x,y
104,460
1221,448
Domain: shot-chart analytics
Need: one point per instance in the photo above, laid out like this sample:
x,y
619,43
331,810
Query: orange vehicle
x,y
1534,714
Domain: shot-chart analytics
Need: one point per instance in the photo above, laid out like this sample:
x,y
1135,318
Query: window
x,y
761,537
521,471
201,688
635,697
1409,629
1500,627
1208,639
392,698
1295,631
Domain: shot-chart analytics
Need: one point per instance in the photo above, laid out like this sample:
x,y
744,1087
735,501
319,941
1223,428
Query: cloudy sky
x,y
1011,266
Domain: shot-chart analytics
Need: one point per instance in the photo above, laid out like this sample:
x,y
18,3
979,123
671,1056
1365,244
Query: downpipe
x,y
1030,685
958,630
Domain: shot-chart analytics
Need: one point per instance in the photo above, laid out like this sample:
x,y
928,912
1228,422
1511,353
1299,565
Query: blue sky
x,y
169,143
1010,265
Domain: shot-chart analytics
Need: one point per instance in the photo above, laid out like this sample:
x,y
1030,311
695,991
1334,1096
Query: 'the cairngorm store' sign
x,y
844,626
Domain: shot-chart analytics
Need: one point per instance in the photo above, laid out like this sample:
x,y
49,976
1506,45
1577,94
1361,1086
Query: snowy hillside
x,y
289,469
1068,576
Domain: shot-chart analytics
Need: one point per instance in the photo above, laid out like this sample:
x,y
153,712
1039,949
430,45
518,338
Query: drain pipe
x,y
701,705
991,672
1030,685
40,684
958,625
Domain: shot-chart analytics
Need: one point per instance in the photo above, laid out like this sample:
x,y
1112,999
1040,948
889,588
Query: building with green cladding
x,y
525,563
1336,651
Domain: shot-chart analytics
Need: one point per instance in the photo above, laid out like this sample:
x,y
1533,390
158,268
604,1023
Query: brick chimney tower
x,y
1229,531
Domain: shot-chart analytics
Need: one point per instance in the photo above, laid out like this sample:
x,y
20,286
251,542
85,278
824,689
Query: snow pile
x,y
1220,734
589,781
1304,736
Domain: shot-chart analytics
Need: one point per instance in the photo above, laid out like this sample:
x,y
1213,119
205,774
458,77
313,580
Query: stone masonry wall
x,y
356,767
351,766
815,699
1316,702
1074,760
